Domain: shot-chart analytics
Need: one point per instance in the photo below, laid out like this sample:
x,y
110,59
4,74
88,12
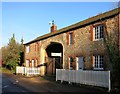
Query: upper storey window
x,y
98,32
27,49
70,38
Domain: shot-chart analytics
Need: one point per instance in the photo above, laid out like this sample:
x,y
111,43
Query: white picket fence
x,y
27,70
95,78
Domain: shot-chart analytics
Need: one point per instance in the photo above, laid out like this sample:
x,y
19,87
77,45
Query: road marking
x,y
5,86
16,81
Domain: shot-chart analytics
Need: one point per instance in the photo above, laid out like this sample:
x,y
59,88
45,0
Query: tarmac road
x,y
0,82
16,83
10,85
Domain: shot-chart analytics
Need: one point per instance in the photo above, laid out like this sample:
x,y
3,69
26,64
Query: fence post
x,y
25,70
56,74
109,82
61,72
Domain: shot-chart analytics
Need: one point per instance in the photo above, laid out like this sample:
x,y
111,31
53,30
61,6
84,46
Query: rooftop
x,y
88,21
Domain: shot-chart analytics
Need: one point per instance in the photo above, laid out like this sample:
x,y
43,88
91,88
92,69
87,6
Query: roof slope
x,y
79,24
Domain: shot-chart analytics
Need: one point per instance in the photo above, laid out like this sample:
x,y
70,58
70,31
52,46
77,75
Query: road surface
x,y
16,83
11,85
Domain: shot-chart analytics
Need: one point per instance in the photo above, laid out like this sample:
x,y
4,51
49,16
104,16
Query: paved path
x,y
38,84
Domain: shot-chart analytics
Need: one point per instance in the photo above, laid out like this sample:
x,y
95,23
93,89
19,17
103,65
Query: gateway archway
x,y
54,57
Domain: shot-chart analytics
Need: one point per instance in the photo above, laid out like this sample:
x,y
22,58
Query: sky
x,y
31,19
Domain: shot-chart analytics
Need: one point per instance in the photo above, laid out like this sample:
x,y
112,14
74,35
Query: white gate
x,y
32,71
27,70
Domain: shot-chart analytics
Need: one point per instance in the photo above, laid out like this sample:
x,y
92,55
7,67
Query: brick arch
x,y
54,47
44,46
53,61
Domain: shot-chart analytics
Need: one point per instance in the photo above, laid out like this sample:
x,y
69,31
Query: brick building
x,y
81,46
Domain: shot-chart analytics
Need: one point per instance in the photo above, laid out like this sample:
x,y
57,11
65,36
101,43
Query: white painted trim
x,y
27,49
98,68
109,82
33,62
77,63
27,63
56,54
98,63
93,57
98,35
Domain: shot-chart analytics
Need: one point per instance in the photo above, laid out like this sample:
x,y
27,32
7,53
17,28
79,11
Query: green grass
x,y
0,69
4,70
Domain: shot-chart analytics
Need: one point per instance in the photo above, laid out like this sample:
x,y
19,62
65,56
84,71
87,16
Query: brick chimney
x,y
53,27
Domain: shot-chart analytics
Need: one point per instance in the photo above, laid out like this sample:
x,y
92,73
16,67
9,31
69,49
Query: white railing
x,y
32,71
20,70
95,78
27,70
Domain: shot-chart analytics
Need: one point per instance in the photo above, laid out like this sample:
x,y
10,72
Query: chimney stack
x,y
53,27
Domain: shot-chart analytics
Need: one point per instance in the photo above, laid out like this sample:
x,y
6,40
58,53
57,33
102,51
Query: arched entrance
x,y
54,57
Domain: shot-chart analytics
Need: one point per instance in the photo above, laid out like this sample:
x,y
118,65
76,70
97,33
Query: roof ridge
x,y
78,24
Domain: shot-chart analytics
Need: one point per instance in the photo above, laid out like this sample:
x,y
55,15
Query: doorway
x,y
54,58
79,63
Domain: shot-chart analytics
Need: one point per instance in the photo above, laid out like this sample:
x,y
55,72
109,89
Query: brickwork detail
x,y
83,45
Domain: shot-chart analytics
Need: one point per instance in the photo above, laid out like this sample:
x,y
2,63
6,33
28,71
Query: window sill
x,y
99,39
98,69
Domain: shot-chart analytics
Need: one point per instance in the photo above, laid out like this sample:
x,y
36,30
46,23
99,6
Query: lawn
x,y
2,69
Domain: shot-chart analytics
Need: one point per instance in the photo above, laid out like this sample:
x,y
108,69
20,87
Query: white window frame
x,y
33,62
99,60
27,49
98,33
78,63
27,63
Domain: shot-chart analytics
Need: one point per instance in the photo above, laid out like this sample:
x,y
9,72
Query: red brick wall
x,y
33,54
83,44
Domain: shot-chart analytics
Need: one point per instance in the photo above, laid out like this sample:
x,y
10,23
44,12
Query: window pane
x,y
99,32
71,38
33,63
27,49
98,61
71,60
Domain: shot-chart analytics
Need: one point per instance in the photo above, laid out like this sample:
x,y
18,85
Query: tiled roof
x,y
79,24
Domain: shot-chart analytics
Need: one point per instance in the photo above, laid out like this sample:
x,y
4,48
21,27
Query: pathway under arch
x,y
54,57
